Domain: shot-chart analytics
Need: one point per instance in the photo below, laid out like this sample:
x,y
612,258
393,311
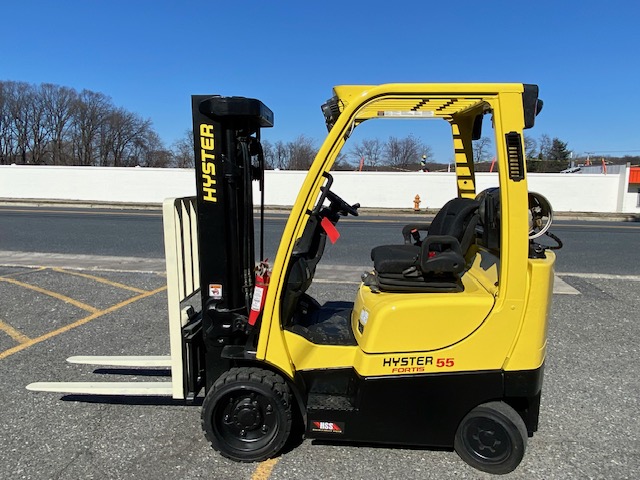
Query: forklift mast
x,y
226,135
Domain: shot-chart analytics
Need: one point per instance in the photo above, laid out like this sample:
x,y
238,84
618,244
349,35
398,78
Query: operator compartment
x,y
397,322
429,293
328,324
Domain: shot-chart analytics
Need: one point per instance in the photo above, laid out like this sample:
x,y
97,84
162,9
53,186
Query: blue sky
x,y
150,56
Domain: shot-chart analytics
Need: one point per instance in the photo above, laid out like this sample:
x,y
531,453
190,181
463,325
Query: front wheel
x,y
246,415
492,438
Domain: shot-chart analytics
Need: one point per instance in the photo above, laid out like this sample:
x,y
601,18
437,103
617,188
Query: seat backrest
x,y
489,215
458,218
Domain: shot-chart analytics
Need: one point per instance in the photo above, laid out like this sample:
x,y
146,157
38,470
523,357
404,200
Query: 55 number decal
x,y
445,362
417,364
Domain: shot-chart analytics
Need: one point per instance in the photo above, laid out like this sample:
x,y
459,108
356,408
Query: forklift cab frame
x,y
463,107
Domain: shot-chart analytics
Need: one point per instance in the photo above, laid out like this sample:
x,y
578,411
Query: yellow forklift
x,y
444,343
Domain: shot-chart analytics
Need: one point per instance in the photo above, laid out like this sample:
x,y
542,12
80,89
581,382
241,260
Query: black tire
x,y
246,415
492,438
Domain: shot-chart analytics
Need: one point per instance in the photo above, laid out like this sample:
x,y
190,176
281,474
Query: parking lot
x,y
588,422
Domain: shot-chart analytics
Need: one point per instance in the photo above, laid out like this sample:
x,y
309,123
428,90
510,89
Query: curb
x,y
28,202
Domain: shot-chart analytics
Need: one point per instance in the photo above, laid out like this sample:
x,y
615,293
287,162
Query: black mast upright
x,y
226,132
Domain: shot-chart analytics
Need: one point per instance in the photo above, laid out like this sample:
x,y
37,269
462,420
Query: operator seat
x,y
436,263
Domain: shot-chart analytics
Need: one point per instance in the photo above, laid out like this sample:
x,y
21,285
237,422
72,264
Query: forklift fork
x,y
183,288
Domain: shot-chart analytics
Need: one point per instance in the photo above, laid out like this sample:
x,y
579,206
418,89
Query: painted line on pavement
x,y
328,274
263,470
24,272
67,261
601,276
325,273
100,280
13,333
56,295
78,323
560,287
563,288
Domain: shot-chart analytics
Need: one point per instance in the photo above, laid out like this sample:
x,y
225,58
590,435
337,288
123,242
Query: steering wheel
x,y
340,206
540,215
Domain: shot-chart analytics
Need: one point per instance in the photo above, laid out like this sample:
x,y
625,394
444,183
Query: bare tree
x,y
342,163
530,147
37,126
19,97
147,150
403,152
267,152
427,151
158,158
59,104
280,156
545,147
301,153
481,149
393,152
91,110
155,155
371,150
182,151
6,131
49,124
122,130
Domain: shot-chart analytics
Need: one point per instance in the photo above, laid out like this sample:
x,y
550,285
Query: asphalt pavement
x,y
65,304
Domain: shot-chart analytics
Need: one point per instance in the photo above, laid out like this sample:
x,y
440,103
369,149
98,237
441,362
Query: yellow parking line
x,y
100,279
13,333
263,470
77,323
24,272
59,296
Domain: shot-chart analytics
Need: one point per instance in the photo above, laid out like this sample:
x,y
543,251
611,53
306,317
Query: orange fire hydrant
x,y
416,203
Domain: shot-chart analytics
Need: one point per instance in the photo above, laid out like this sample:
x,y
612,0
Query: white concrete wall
x,y
566,192
577,193
98,184
632,198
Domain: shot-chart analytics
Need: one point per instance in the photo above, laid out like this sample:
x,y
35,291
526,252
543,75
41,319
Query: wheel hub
x,y
247,415
247,418
488,440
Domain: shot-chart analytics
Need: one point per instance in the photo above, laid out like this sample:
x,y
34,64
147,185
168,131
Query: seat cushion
x,y
391,282
394,258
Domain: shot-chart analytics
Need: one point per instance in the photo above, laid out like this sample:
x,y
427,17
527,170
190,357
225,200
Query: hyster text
x,y
207,144
415,364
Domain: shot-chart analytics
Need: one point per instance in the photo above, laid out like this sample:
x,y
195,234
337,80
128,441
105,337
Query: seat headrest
x,y
453,217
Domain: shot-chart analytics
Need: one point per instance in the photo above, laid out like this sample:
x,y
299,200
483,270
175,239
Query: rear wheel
x,y
492,438
246,415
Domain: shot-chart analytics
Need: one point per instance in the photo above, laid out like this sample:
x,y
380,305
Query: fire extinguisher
x,y
259,291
